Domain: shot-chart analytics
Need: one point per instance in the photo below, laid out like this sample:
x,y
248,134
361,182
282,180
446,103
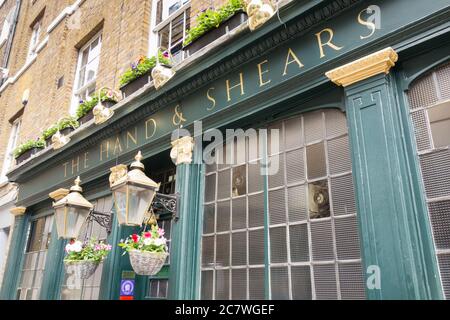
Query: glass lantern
x,y
71,212
133,194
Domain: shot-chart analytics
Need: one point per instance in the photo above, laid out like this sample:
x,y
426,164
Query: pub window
x,y
86,73
12,143
429,101
172,20
39,236
90,288
313,247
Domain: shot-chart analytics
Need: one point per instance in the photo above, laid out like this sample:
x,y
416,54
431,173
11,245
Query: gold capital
x,y
364,68
18,211
182,150
58,194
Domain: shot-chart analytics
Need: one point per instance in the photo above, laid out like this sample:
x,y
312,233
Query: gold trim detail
x,y
18,211
117,173
182,150
58,194
366,67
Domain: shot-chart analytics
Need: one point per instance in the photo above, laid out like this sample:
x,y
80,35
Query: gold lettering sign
x,y
327,43
150,133
261,72
240,85
208,95
291,57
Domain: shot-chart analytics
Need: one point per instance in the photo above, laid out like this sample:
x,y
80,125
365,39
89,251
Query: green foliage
x,y
211,19
49,131
141,67
152,241
92,250
30,144
62,124
85,107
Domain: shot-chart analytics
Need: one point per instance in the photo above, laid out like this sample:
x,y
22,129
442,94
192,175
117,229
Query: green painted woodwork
x,y
394,225
15,257
389,213
186,231
54,268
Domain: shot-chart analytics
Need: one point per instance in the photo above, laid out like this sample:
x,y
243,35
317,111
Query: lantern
x,y
71,212
133,194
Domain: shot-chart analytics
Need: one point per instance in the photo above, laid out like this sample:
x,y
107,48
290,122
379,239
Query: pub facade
x,y
341,191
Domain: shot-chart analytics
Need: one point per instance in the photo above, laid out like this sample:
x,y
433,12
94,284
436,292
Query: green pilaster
x,y
54,268
393,221
115,263
14,262
184,273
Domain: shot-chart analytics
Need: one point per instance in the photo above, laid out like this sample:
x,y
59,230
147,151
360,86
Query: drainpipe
x,y
12,32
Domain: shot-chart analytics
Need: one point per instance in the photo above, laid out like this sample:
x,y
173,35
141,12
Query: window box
x,y
136,84
27,154
231,23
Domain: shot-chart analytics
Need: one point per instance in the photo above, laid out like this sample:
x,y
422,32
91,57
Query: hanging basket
x,y
147,263
82,269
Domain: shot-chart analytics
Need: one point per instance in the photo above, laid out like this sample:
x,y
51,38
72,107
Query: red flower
x,y
72,241
135,238
148,235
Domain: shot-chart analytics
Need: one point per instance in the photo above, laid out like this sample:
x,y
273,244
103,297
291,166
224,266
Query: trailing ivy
x,y
141,67
210,19
86,106
30,144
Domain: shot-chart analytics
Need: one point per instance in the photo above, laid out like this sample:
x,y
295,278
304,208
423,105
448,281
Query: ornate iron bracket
x,y
102,218
166,202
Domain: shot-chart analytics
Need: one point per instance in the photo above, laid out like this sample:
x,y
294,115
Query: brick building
x,y
343,205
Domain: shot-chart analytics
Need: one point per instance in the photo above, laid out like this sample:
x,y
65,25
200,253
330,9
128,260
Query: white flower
x,y
77,246
161,241
148,241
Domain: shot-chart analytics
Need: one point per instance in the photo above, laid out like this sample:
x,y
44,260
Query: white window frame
x,y
81,93
12,143
155,28
34,40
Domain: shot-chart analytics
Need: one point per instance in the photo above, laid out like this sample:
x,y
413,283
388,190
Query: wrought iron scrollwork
x,y
102,218
166,202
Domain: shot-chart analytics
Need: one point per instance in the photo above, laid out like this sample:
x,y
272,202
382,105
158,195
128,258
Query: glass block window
x,y
313,247
429,100
172,21
39,236
90,288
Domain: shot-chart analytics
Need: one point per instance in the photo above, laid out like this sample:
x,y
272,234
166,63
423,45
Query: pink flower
x,y
147,235
161,232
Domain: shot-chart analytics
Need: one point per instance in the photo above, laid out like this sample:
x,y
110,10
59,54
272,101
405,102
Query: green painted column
x,y
54,268
393,221
184,274
14,260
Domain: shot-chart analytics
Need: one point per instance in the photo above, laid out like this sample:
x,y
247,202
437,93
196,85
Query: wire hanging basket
x,y
147,263
83,269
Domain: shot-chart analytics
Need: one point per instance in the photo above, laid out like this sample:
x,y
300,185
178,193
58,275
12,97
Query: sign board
x,y
127,286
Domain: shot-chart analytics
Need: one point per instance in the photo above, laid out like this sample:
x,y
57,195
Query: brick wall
x,y
125,33
198,5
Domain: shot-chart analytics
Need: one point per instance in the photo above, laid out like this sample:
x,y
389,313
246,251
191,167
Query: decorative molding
x,y
366,67
117,172
58,194
18,211
182,148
